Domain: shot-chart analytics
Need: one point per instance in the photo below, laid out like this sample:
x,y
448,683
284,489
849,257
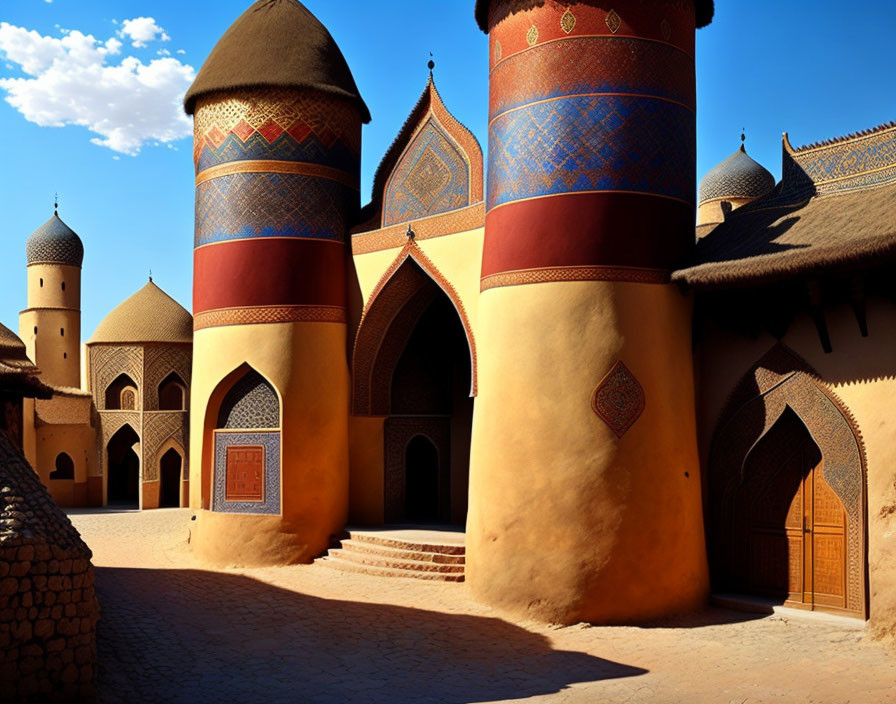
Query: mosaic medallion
x,y
614,22
666,29
532,35
568,21
429,177
619,399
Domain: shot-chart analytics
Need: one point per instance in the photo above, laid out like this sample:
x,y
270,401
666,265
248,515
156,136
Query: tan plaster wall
x,y
57,356
366,483
306,364
710,212
862,372
51,295
79,442
567,523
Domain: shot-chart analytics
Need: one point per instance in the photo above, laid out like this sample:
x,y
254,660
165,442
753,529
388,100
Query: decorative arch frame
x,y
779,381
173,378
210,434
108,438
396,303
119,386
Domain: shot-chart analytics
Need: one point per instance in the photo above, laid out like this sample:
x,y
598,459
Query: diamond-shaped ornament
x,y
497,51
568,21
614,22
532,35
619,399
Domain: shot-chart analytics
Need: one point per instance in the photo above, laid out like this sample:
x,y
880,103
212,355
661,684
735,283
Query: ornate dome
x,y
150,315
55,242
738,176
276,43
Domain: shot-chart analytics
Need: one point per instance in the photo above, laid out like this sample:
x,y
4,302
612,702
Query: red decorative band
x,y
606,230
575,273
269,166
671,22
270,271
268,314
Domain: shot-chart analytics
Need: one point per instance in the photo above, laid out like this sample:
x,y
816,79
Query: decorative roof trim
x,y
870,132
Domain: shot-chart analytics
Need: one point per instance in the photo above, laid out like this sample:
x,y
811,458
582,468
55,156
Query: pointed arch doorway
x,y
786,509
414,364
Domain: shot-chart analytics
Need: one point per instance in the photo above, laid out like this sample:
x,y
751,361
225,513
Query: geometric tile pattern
x,y
54,241
431,177
277,124
579,65
864,160
270,441
619,399
248,205
251,403
738,176
256,315
592,143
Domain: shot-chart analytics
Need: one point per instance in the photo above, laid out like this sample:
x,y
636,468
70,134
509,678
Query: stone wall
x,y
48,608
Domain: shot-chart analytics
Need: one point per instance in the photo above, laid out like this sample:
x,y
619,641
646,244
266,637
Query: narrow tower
x,y
51,324
584,481
277,154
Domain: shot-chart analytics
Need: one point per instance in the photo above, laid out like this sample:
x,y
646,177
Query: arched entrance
x,y
785,512
414,363
123,468
170,478
172,393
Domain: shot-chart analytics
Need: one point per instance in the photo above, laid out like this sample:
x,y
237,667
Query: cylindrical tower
x,y
51,324
584,481
277,154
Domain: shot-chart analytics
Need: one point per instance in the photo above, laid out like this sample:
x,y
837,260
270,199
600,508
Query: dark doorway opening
x,y
421,467
123,469
65,467
170,479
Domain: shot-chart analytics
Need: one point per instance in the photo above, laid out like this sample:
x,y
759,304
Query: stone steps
x,y
402,556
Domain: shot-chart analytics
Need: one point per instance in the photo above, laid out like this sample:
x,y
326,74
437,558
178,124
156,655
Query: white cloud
x,y
141,31
71,81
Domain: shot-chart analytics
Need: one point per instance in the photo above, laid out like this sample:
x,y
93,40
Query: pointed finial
x,y
743,139
431,64
56,204
410,233
150,276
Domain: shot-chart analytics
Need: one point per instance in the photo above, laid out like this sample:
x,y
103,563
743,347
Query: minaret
x,y
277,154
51,324
585,499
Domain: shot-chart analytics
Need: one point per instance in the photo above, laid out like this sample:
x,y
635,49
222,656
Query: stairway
x,y
418,554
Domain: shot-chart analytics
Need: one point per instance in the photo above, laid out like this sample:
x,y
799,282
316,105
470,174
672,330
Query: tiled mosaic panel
x,y
250,205
251,403
578,66
432,177
271,443
592,143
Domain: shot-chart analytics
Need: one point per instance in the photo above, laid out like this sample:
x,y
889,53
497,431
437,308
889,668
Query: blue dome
x,y
738,176
54,242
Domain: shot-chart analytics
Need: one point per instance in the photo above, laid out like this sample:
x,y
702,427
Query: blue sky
x,y
814,68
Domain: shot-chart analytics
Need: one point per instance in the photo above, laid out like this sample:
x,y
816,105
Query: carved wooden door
x,y
798,534
245,473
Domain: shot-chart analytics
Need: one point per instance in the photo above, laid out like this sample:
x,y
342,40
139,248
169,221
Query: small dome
x,y
150,315
55,242
276,43
738,176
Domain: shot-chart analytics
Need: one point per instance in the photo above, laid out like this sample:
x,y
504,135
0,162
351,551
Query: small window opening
x,y
62,331
41,283
65,355
63,285
35,329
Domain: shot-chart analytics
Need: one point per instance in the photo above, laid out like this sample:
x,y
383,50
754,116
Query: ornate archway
x,y
779,385
414,364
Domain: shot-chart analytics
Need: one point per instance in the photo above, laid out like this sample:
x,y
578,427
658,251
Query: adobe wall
x,y
862,373
48,608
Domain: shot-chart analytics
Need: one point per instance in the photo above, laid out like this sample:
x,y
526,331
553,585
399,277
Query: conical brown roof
x,y
150,315
276,43
13,357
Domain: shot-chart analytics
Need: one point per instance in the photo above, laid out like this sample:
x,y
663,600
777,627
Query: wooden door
x,y
798,534
245,473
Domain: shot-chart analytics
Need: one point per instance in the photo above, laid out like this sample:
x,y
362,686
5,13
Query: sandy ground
x,y
173,630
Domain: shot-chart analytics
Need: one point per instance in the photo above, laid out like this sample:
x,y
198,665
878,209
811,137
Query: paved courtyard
x,y
174,631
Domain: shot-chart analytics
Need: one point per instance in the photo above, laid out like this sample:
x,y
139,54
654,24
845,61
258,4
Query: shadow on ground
x,y
196,636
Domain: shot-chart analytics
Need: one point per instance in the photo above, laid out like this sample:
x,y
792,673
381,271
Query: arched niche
x,y
65,467
122,394
241,452
123,468
781,389
172,393
171,466
405,291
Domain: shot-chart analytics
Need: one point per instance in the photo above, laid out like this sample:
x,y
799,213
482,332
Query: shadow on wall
x,y
212,637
